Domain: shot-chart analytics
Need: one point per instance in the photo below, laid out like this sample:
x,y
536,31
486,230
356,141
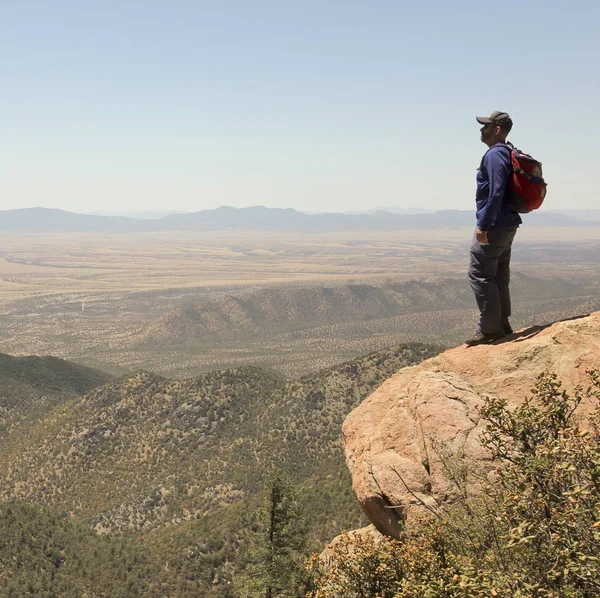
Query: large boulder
x,y
399,439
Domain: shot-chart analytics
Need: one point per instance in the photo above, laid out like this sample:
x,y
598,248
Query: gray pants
x,y
489,274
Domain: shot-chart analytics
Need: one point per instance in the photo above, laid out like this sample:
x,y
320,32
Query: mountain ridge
x,y
272,311
179,465
211,432
31,220
31,386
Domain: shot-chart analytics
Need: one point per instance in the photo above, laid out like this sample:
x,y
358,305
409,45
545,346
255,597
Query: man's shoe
x,y
506,328
481,338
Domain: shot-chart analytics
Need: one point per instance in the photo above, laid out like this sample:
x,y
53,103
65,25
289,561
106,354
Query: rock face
x,y
396,440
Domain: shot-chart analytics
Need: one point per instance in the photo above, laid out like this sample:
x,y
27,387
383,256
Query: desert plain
x,y
98,299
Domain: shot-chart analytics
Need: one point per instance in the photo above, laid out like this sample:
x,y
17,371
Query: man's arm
x,y
498,167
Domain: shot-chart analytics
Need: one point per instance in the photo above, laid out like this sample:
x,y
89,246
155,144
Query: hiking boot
x,y
482,338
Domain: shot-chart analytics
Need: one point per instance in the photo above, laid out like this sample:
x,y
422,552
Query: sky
x,y
145,105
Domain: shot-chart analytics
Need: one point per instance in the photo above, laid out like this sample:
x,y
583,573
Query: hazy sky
x,y
330,105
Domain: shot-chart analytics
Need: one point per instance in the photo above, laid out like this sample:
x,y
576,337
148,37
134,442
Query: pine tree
x,y
276,556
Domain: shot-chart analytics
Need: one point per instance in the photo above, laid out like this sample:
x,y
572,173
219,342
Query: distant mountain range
x,y
43,220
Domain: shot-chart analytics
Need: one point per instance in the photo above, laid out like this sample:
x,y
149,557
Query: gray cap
x,y
498,118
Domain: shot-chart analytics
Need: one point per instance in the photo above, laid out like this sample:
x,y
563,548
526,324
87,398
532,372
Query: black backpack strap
x,y
514,149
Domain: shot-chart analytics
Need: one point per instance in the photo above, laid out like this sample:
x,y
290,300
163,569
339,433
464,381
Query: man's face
x,y
489,133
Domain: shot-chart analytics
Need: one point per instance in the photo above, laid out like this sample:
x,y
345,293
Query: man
x,y
489,268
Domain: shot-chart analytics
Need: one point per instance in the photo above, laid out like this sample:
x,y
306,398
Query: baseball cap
x,y
497,117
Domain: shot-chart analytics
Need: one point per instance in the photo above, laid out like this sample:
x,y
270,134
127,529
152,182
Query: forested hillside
x,y
30,387
180,465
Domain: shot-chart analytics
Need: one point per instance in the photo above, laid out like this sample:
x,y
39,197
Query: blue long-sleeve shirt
x,y
493,194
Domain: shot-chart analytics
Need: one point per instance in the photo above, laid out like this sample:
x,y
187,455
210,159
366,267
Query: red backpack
x,y
527,187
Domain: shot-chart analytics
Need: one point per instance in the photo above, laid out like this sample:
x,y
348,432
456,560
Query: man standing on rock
x,y
489,268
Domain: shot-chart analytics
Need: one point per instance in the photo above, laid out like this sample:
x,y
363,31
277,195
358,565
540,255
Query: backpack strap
x,y
515,149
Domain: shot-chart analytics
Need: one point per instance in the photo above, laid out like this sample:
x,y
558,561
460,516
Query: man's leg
x,y
483,269
503,277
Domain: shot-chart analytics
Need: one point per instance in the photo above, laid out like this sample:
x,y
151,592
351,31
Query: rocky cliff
x,y
399,441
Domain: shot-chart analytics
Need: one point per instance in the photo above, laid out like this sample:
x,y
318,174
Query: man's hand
x,y
481,236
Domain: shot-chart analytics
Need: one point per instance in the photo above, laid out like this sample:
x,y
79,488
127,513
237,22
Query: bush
x,y
534,532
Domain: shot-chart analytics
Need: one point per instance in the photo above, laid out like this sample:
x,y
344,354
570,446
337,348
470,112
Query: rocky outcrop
x,y
397,440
